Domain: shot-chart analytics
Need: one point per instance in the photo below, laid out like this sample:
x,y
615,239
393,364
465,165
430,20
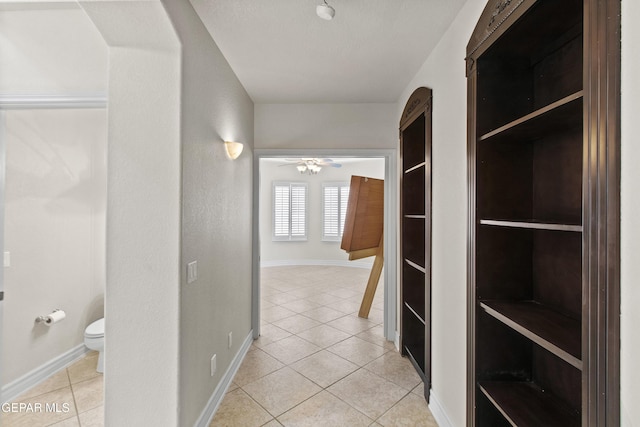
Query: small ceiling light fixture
x,y
325,11
234,149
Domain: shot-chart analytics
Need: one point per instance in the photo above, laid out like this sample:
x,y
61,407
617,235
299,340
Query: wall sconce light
x,y
234,149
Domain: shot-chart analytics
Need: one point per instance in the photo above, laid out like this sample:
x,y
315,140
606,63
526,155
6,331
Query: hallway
x,y
316,363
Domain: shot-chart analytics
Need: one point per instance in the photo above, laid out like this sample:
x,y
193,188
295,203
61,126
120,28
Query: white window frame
x,y
290,237
342,210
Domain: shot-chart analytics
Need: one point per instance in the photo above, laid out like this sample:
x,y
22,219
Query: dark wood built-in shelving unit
x,y
415,240
543,257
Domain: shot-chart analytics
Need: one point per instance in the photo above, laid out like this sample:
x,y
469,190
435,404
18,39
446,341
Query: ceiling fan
x,y
311,166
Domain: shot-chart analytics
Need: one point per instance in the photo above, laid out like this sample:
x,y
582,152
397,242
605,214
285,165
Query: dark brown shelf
x,y
418,166
416,266
555,332
549,119
525,404
415,313
535,225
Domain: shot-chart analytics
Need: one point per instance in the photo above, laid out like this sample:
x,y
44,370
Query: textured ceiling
x,y
283,53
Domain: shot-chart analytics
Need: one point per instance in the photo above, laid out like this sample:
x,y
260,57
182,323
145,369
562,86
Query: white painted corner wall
x,y
143,224
444,72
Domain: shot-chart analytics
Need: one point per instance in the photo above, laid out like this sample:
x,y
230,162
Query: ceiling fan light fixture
x,y
325,11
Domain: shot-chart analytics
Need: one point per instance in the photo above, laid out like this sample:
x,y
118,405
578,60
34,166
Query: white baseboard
x,y
363,263
438,411
41,373
396,341
218,394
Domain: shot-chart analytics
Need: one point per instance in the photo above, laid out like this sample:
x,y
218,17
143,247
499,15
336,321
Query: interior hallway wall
x,y
216,212
142,315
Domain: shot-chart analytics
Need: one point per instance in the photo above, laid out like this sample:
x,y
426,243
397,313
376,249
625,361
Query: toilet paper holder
x,y
48,318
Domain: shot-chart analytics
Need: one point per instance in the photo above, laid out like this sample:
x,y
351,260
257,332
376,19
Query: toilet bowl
x,y
94,340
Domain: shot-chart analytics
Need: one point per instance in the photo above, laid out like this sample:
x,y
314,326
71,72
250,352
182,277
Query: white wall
x,y
55,197
50,48
443,71
55,206
314,249
313,126
216,213
630,217
143,213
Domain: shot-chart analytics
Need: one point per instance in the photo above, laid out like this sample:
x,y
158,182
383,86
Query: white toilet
x,y
94,340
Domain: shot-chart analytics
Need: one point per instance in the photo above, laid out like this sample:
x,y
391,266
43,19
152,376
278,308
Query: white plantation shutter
x,y
334,197
289,211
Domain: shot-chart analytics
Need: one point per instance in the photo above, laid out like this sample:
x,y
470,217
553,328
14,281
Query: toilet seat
x,y
95,330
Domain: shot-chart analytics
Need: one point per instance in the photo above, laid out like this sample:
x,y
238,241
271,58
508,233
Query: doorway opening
x,y
280,167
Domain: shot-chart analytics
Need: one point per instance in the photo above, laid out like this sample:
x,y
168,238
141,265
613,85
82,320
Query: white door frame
x,y
390,225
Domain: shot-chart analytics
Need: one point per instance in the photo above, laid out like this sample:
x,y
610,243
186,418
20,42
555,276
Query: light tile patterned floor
x,y
77,391
317,363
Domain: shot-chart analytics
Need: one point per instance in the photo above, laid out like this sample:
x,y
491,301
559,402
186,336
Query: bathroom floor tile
x,y
56,381
61,408
88,394
411,411
93,417
238,409
368,393
69,422
281,390
324,409
84,368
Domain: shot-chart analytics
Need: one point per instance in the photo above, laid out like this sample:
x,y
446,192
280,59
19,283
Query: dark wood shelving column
x,y
543,342
415,240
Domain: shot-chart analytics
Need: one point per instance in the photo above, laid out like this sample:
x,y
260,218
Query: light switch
x,y
192,272
7,259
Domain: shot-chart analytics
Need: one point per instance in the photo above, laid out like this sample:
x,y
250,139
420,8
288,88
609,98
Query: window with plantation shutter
x,y
289,211
335,197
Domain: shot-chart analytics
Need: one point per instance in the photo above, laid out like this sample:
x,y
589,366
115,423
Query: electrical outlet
x,y
192,272
213,365
230,339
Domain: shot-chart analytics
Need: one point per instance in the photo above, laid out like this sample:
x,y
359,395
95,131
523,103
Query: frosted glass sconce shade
x,y
234,149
